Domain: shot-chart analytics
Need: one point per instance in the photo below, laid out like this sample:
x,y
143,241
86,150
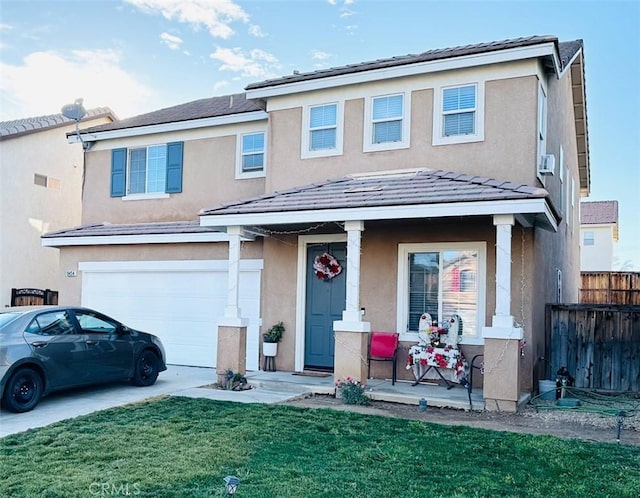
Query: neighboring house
x,y
598,235
444,181
40,191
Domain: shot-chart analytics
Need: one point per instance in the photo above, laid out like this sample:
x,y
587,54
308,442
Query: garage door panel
x,y
180,307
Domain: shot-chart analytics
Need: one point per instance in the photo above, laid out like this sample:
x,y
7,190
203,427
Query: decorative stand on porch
x,y
423,359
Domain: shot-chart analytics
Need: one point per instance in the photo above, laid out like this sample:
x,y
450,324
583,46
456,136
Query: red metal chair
x,y
383,346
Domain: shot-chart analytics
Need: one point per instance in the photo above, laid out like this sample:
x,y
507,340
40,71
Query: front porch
x,y
377,389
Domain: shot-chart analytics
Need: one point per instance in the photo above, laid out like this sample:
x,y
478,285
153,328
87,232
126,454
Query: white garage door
x,y
179,301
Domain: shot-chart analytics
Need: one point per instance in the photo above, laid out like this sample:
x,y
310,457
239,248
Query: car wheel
x,y
23,391
146,370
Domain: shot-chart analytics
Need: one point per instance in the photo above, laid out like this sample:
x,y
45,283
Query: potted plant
x,y
271,339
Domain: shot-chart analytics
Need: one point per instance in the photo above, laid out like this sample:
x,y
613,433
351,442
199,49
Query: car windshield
x,y
8,317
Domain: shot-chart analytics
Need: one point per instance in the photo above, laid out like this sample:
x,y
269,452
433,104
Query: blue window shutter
x,y
174,167
118,172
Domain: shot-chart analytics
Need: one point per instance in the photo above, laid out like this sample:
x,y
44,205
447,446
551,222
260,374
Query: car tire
x,y
23,391
146,369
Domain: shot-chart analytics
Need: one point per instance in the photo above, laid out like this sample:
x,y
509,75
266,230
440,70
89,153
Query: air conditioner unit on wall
x,y
547,164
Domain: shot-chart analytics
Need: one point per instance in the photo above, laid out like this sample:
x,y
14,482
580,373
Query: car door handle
x,y
39,344
92,343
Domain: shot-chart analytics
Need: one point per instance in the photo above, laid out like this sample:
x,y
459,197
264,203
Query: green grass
x,y
183,447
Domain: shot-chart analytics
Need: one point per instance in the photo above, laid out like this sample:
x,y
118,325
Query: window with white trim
x,y
563,208
442,280
458,114
542,124
322,130
147,170
322,127
459,111
386,122
251,155
252,152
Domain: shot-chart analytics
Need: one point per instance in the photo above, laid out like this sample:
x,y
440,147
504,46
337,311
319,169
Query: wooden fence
x,y
29,297
610,287
598,344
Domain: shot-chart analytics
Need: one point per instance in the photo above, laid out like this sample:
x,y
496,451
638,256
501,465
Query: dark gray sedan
x,y
49,348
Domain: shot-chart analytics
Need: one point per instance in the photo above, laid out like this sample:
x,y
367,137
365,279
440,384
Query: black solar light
x,y
231,484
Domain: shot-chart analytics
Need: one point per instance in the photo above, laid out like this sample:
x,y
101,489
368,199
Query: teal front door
x,y
325,302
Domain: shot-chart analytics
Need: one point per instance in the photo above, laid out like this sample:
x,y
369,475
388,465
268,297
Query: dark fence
x,y
30,297
598,344
610,287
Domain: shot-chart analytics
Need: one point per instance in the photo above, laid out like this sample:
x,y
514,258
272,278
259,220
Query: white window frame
x,y
405,143
240,173
143,195
541,129
438,115
404,250
305,143
561,173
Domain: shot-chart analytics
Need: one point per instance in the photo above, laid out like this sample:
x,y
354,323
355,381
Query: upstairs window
x,y
542,123
323,121
252,152
458,114
387,119
147,170
143,172
322,130
459,111
387,122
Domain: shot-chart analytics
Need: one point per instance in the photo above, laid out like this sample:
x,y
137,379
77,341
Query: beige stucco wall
x,y
508,151
28,210
208,178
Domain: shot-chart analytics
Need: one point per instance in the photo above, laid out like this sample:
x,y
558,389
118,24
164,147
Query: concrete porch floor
x,y
377,389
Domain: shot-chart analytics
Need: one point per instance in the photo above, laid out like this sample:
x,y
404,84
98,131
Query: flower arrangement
x,y
326,266
446,357
352,391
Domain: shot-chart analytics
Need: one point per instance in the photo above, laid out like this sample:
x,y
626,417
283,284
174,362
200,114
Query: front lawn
x,y
183,447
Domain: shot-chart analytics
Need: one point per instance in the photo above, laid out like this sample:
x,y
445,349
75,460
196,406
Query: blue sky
x,y
136,56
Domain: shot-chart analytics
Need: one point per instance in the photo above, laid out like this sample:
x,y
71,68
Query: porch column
x,y
501,340
232,328
351,333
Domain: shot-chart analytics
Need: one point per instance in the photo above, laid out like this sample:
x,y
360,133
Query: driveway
x,y
70,404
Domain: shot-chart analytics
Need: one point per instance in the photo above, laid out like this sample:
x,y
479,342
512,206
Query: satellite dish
x,y
74,111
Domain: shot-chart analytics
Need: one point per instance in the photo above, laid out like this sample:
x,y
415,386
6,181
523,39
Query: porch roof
x,y
134,233
396,194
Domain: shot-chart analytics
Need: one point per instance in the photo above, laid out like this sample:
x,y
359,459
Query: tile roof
x,y
379,189
107,229
598,212
566,49
15,128
198,109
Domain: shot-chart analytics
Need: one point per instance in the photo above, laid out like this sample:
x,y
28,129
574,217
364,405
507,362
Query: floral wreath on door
x,y
326,267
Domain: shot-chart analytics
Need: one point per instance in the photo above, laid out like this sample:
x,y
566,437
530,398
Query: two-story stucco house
x,y
443,182
40,191
598,234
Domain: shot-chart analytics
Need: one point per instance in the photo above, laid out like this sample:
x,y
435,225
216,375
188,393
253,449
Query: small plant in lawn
x,y
352,391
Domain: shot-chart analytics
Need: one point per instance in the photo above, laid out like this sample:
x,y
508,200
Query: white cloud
x,y
215,15
319,55
255,30
171,41
46,81
256,64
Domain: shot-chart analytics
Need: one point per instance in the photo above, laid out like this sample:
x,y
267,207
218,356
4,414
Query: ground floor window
x,y
442,280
